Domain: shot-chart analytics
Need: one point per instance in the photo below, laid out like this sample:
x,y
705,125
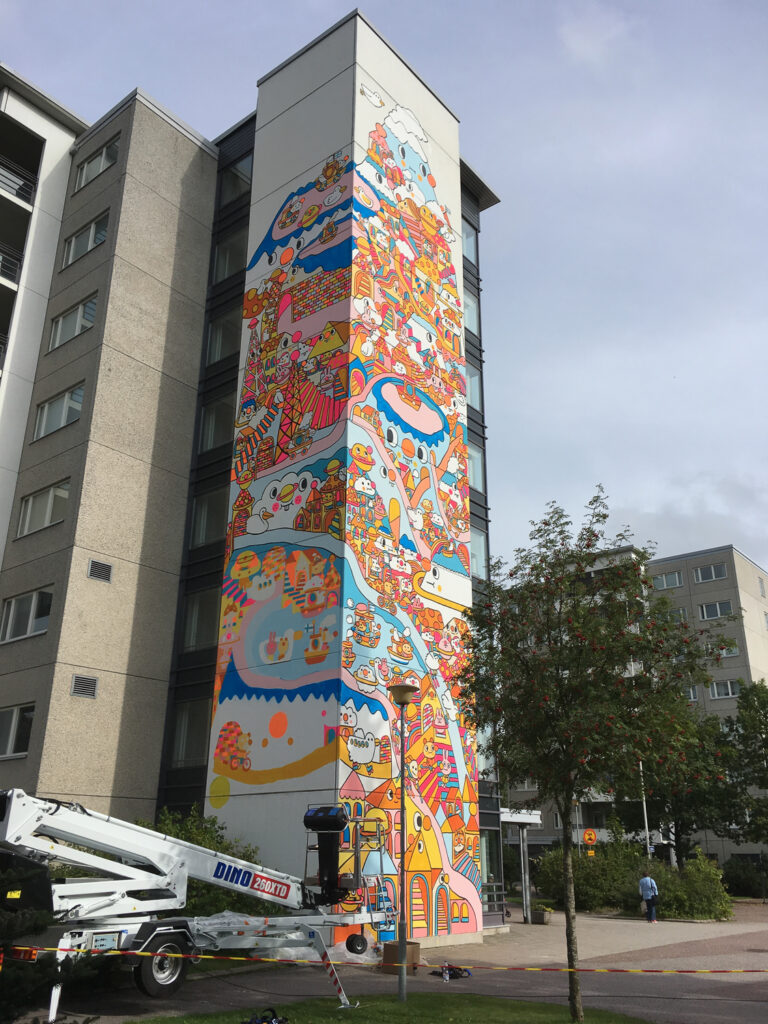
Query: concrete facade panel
x,y
142,412
124,626
172,165
155,324
308,132
163,239
131,510
321,62
106,748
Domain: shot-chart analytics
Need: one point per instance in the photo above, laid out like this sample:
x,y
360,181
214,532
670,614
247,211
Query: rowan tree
x,y
576,673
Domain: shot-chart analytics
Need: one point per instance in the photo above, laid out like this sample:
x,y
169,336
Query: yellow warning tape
x,y
347,963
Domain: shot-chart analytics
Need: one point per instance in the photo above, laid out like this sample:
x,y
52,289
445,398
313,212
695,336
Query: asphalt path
x,y
525,963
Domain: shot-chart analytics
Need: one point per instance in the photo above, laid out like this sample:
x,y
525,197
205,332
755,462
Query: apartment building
x,y
293,307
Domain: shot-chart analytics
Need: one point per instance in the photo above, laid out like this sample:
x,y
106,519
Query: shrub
x,y
610,879
746,876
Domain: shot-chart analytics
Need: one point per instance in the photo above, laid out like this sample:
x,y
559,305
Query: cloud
x,y
592,32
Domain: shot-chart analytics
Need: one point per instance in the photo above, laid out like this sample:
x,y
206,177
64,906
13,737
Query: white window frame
x,y
41,425
733,685
13,732
82,323
693,694
761,585
47,493
98,226
765,616
9,605
100,161
697,577
720,611
663,577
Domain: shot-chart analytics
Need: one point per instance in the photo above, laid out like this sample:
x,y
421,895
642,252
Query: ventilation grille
x,y
84,686
100,571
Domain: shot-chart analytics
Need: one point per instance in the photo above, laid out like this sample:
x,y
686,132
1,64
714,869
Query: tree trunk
x,y
574,984
679,846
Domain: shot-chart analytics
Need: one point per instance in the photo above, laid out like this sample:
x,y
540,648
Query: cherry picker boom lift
x,y
142,873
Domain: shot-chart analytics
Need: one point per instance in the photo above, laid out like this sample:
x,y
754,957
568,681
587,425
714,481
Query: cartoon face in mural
x,y
348,562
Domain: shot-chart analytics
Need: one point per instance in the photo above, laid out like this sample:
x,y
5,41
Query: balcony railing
x,y
10,263
17,180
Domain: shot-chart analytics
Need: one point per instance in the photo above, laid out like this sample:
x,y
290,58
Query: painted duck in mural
x,y
400,649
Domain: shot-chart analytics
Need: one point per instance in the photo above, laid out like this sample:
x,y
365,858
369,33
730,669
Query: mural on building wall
x,y
348,548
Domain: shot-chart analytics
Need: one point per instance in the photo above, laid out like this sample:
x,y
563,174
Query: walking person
x,y
650,893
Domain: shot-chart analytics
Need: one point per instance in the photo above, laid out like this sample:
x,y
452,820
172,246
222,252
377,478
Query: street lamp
x,y
402,694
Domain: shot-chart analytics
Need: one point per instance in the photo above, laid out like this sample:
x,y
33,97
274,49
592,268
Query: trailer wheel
x,y
356,943
163,973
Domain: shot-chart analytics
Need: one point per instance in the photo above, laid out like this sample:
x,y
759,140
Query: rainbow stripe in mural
x,y
348,547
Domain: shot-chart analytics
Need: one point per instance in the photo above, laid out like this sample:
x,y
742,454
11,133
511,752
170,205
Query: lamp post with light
x,y
402,694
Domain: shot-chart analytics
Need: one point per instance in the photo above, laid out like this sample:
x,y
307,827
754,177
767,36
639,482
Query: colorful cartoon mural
x,y
348,548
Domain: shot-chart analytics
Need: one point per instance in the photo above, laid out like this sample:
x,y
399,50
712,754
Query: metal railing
x,y
10,263
17,180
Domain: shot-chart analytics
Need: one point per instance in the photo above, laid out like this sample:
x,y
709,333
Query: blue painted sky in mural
x,y
624,303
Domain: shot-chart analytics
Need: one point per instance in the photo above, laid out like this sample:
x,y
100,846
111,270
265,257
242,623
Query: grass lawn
x,y
422,1008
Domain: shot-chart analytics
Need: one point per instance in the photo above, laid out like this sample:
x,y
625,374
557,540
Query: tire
x,y
356,943
161,976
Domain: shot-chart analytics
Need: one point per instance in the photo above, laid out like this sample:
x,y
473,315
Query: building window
x,y
678,614
191,731
471,313
765,617
667,580
43,508
476,466
706,573
59,411
25,615
201,619
15,729
229,254
714,609
217,423
210,512
85,240
469,240
556,822
714,650
474,387
94,165
693,693
224,333
73,322
236,180
724,688
761,584
478,552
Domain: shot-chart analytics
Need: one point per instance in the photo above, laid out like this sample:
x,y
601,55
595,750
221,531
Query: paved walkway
x,y
738,944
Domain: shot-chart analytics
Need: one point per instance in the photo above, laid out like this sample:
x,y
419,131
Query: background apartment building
x,y
110,588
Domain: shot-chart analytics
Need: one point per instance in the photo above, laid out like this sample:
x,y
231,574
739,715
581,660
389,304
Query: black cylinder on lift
x,y
328,823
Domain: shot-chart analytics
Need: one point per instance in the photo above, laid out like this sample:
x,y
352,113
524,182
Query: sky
x,y
625,271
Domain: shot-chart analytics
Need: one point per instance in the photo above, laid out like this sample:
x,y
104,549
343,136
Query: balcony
x,y
17,181
10,263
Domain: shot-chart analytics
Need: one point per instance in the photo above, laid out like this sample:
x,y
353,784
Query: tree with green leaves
x,y
688,793
747,767
576,674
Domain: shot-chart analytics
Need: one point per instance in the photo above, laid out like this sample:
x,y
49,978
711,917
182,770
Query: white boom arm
x,y
146,862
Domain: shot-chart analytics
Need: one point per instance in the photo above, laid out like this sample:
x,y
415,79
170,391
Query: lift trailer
x,y
143,873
